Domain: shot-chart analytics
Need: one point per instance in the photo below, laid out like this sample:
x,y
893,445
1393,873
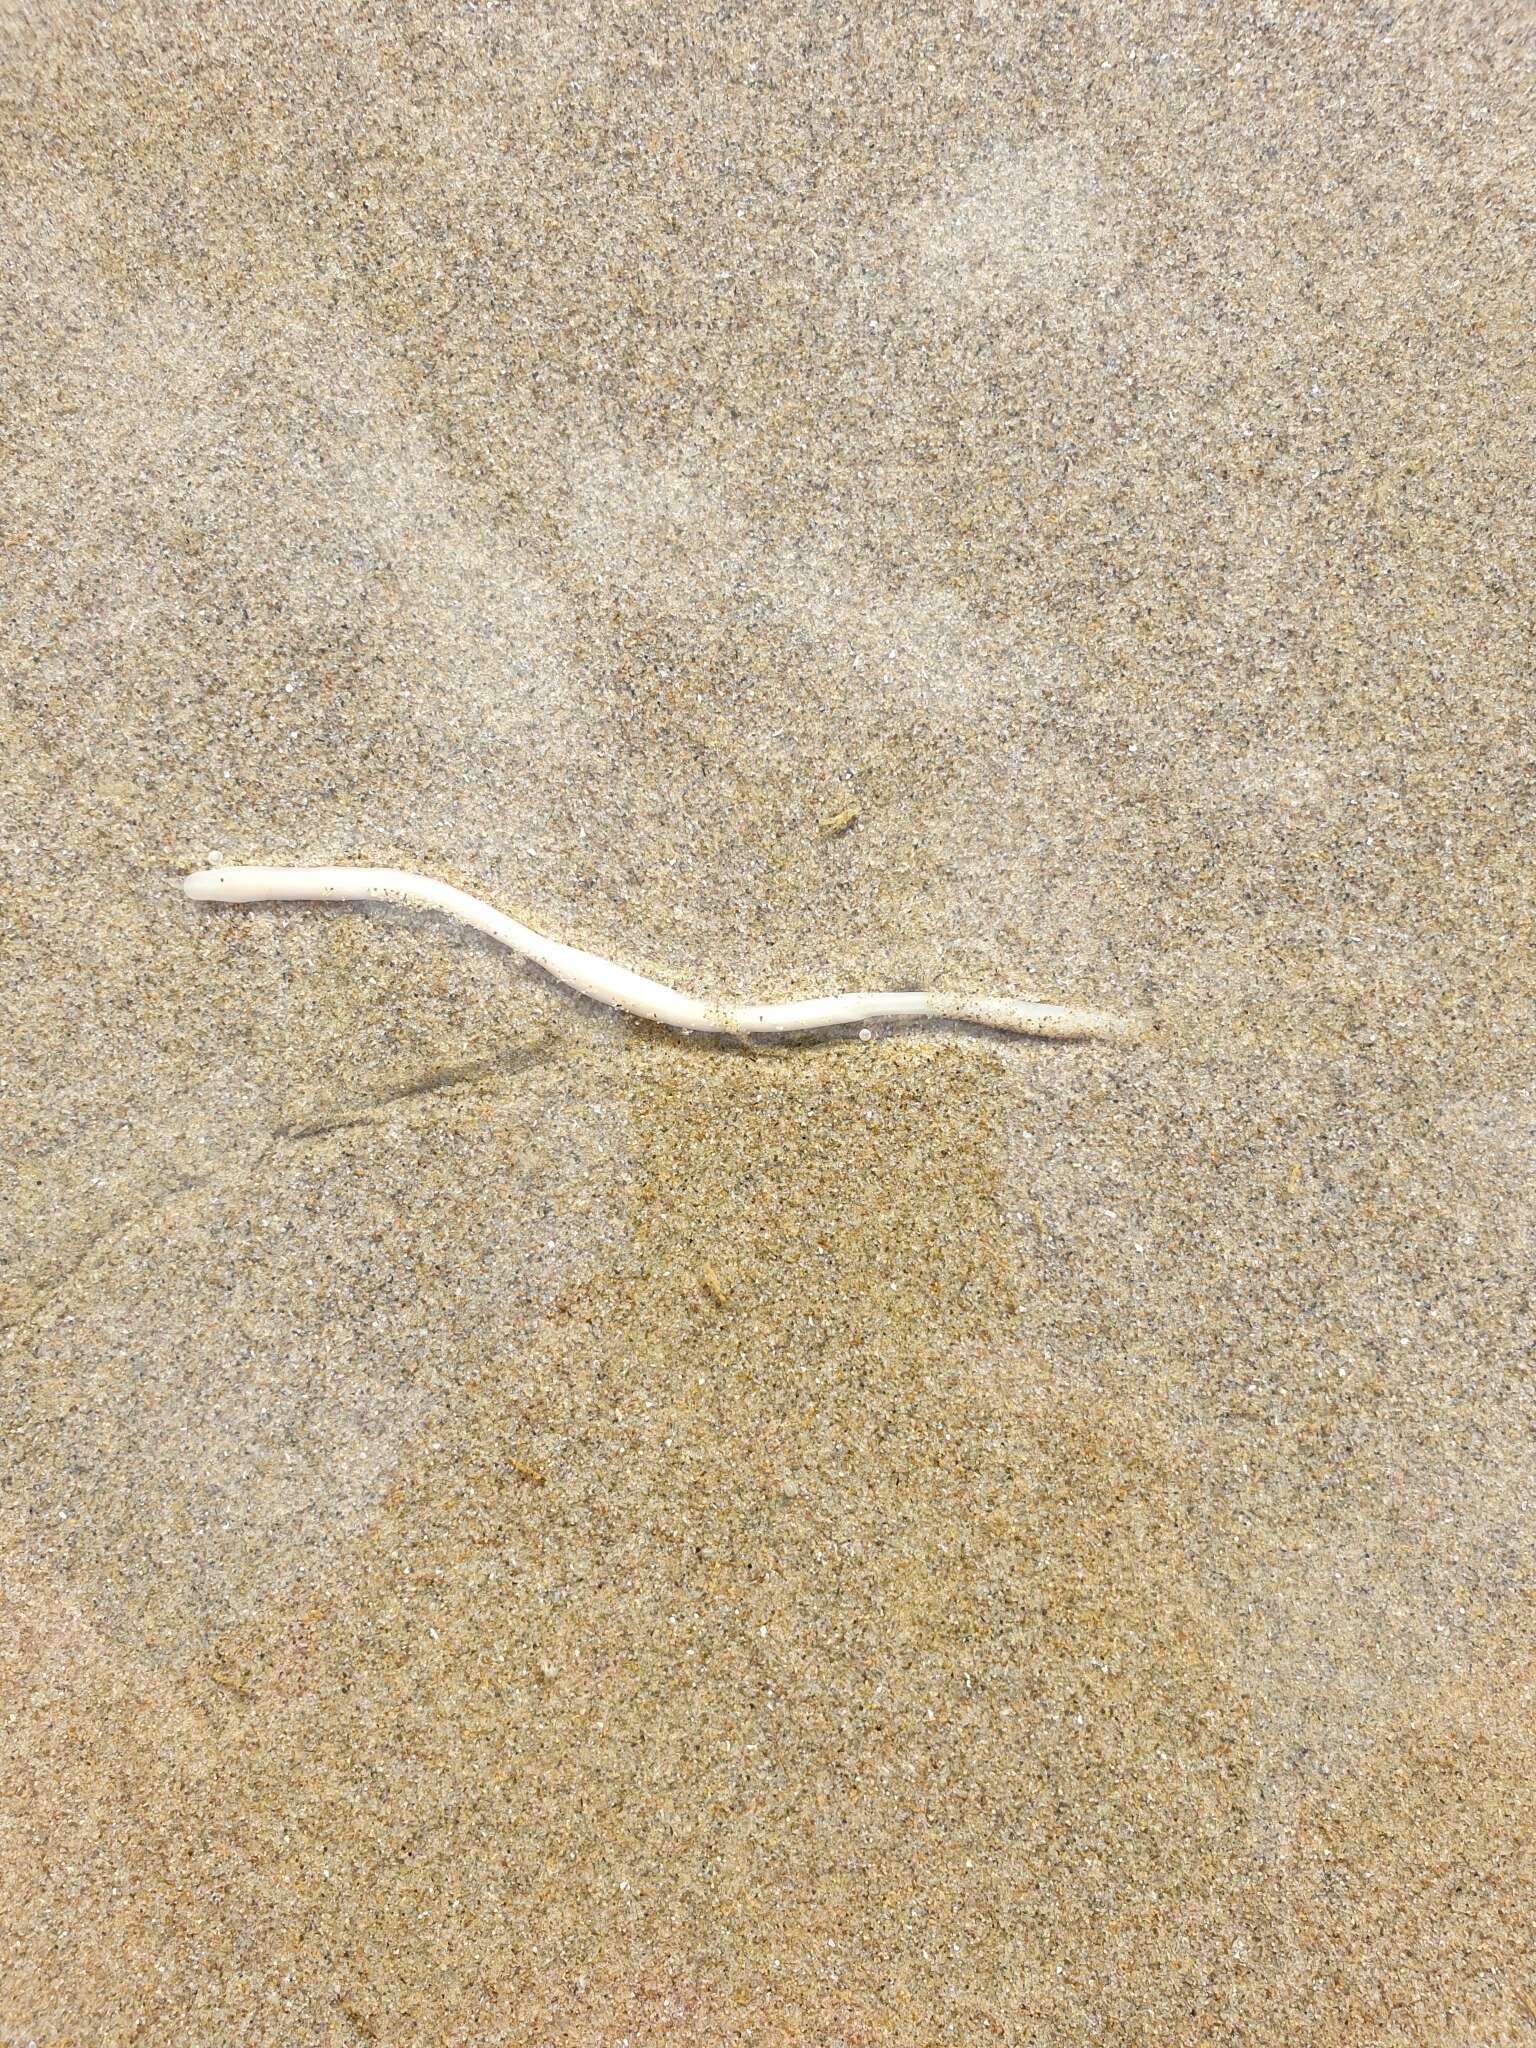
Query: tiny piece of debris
x,y
838,823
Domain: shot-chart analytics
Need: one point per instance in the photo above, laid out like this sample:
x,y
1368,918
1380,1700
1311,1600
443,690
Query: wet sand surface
x,y
516,1527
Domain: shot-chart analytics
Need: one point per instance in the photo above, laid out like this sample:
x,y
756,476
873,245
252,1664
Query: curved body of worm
x,y
641,997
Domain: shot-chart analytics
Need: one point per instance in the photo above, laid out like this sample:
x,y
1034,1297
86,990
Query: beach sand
x,y
518,1527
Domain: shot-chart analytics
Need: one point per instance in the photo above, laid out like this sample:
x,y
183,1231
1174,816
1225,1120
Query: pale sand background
x,y
1078,1587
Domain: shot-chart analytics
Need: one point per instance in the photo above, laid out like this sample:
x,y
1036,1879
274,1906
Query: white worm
x,y
633,992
